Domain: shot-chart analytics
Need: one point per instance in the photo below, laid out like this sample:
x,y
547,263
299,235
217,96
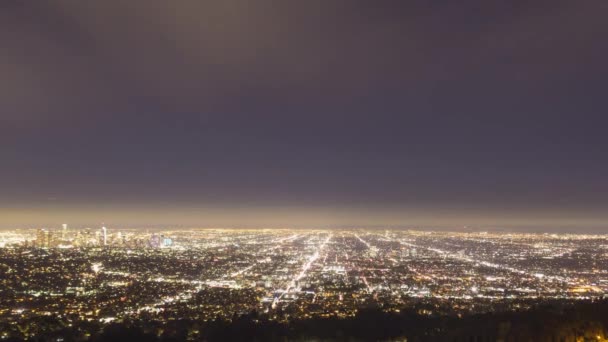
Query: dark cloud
x,y
416,105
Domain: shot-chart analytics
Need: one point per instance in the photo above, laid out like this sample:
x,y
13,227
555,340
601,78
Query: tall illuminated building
x,y
43,238
64,231
104,232
40,237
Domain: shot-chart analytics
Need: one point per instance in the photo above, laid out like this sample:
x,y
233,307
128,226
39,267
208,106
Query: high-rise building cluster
x,y
102,237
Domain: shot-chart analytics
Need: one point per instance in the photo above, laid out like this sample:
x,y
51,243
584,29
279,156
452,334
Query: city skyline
x,y
313,170
252,220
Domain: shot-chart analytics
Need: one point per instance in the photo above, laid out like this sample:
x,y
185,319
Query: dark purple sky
x,y
427,113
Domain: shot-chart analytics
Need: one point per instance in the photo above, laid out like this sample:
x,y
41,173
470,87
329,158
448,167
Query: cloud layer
x,y
497,107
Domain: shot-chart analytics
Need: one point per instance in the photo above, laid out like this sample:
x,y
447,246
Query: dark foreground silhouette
x,y
551,323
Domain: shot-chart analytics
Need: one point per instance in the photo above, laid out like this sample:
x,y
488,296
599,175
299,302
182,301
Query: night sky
x,y
485,114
